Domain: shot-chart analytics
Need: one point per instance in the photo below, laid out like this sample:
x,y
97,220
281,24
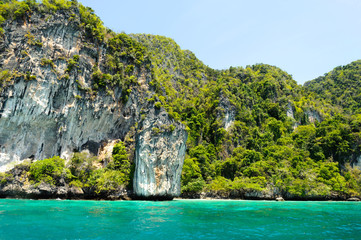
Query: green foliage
x,y
110,180
155,130
82,171
5,77
76,183
81,166
47,170
205,159
220,184
120,159
124,56
340,87
158,105
123,46
72,63
89,21
2,178
192,180
5,178
29,77
55,5
47,62
194,186
92,24
15,9
118,172
32,41
353,180
249,184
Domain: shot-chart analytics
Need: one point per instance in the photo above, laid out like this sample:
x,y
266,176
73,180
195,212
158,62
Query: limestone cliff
x,y
48,105
160,152
50,115
68,84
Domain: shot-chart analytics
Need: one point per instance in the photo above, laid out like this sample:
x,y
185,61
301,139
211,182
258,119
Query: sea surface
x,y
179,219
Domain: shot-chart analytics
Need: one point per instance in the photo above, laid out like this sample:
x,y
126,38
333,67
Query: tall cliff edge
x,y
55,99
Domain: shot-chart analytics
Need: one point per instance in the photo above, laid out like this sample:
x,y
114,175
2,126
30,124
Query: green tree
x,y
48,170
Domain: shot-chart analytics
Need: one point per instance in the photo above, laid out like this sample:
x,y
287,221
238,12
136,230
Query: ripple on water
x,y
181,219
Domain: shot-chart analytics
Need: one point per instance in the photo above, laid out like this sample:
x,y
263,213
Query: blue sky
x,y
305,38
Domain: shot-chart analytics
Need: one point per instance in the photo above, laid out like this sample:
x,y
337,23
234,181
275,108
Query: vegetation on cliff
x,y
340,87
83,176
252,131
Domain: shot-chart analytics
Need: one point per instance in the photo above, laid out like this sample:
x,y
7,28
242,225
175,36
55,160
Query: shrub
x,y
81,166
220,184
155,130
129,69
37,43
2,178
194,186
100,80
5,76
55,5
120,158
73,62
47,62
249,184
192,180
47,170
92,24
157,105
171,127
14,9
111,180
76,183
29,77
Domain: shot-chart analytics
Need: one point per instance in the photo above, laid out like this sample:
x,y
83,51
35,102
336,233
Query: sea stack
x,y
159,157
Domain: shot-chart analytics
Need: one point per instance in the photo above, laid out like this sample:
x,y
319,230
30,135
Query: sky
x,y
305,38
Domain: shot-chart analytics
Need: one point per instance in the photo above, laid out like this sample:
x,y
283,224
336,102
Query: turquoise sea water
x,y
179,219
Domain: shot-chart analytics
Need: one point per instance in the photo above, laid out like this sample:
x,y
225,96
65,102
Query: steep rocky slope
x,y
50,115
53,104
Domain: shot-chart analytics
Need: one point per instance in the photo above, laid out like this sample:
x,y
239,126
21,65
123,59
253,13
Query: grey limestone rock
x,y
227,113
57,113
159,156
353,199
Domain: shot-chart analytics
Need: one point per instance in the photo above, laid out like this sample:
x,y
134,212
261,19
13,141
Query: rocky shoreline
x,y
16,184
255,195
45,191
116,197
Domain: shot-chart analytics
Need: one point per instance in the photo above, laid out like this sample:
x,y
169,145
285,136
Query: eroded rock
x,y
57,112
159,157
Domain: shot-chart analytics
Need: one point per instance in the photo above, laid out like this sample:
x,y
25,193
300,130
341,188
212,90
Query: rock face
x,y
49,109
311,114
159,157
357,162
353,199
227,113
50,115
